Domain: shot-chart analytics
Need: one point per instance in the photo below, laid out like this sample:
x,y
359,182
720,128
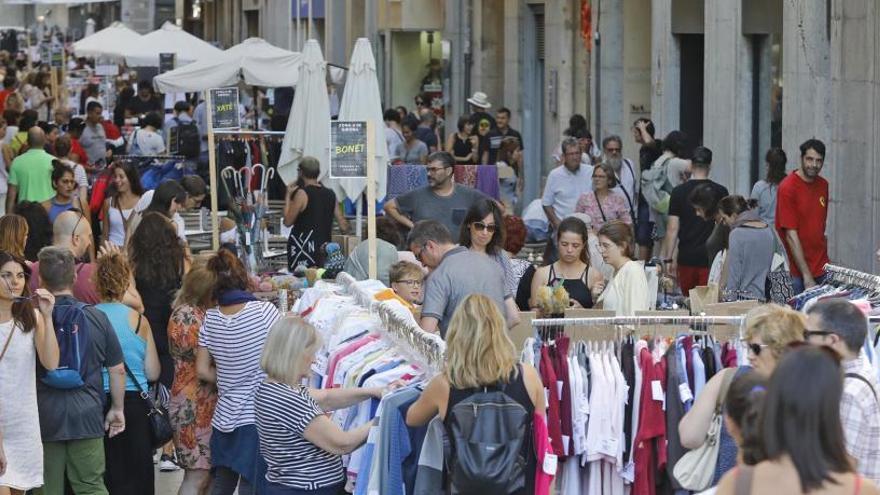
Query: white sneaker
x,y
166,464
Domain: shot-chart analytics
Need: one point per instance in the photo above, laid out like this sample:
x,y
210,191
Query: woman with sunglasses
x,y
482,231
573,268
802,432
770,329
26,334
67,195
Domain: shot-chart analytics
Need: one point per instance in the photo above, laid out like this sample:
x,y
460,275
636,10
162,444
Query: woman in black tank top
x,y
478,323
309,210
573,268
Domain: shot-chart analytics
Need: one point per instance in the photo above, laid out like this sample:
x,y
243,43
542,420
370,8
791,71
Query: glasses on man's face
x,y
418,254
434,170
756,348
76,225
488,227
410,282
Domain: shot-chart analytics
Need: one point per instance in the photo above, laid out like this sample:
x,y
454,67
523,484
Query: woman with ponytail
x,y
231,343
750,250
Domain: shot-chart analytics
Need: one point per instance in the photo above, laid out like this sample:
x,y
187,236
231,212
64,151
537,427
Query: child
x,y
406,279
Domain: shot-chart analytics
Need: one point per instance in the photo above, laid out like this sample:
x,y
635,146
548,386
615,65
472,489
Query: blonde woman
x,y
480,354
769,331
301,445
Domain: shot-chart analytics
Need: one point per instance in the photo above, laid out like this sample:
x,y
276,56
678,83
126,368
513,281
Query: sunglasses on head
x,y
490,228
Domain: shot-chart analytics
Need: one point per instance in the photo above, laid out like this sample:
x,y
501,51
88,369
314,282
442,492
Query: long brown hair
x,y
22,310
13,234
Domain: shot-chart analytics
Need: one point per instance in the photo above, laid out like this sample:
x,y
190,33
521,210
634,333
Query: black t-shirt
x,y
495,137
139,106
693,231
648,154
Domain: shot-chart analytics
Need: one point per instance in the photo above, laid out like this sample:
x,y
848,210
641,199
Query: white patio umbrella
x,y
110,41
361,102
254,60
308,128
170,38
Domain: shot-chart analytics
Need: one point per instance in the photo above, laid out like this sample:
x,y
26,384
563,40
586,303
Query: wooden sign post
x,y
351,157
221,105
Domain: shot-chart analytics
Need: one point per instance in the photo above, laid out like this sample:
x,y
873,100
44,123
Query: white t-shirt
x,y
148,142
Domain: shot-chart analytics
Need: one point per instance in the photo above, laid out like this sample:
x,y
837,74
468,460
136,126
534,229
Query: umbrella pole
x,y
359,216
212,171
371,200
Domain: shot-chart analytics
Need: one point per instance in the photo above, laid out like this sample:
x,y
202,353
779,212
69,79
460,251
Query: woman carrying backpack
x,y
481,367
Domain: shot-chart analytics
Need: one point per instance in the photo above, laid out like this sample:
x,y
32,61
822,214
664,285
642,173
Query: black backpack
x,y
487,432
184,139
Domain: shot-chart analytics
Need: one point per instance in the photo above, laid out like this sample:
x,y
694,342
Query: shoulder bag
x,y
696,469
161,431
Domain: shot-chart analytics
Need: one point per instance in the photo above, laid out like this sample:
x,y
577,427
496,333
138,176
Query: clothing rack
x,y
424,348
613,327
245,133
640,320
839,275
149,157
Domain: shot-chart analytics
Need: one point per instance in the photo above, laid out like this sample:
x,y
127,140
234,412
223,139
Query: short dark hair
x,y
613,137
476,213
429,230
388,231
705,198
462,121
182,106
776,160
676,143
649,126
503,110
842,317
166,193
9,81
576,121
93,105
702,157
29,118
145,84
194,185
391,114
310,167
57,268
153,119
813,144
803,423
443,157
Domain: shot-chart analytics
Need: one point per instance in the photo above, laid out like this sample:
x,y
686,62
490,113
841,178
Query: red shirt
x,y
77,148
803,206
110,130
3,95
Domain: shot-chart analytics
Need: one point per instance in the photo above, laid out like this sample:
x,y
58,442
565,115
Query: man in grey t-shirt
x,y
93,138
456,272
443,200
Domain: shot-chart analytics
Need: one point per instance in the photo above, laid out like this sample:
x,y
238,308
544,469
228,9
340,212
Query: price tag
x,y
550,463
657,391
685,391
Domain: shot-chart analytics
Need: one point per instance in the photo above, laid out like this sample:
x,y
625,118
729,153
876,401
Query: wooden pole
x,y
212,171
371,200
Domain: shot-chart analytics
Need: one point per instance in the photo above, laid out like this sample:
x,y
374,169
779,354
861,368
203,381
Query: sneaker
x,y
166,464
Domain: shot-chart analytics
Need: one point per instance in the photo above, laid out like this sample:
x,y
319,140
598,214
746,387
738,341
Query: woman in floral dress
x,y
192,401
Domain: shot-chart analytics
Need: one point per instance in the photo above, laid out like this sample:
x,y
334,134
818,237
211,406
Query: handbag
x,y
161,431
696,469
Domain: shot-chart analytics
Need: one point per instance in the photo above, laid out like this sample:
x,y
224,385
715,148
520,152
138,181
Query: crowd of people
x,y
84,246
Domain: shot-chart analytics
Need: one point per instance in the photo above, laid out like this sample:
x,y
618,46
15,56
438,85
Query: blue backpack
x,y
72,332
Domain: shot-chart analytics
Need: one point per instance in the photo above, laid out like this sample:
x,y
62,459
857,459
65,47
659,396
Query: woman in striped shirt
x,y
301,445
230,345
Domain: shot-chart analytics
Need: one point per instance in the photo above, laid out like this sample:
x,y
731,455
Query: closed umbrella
x,y
308,128
361,102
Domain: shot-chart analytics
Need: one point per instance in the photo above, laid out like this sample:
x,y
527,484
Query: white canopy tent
x,y
308,128
113,41
361,102
170,38
254,60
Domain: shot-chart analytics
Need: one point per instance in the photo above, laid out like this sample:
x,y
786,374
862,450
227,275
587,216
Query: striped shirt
x,y
283,413
236,345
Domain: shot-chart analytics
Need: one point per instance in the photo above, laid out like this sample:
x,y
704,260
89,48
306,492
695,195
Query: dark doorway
x,y
691,96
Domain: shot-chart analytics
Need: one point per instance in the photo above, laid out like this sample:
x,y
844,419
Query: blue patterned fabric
x,y
405,178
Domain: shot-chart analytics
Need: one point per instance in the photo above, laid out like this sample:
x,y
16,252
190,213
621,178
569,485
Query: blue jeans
x,y
276,489
797,283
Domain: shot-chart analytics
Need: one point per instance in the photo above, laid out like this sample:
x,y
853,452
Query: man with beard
x,y
442,200
801,214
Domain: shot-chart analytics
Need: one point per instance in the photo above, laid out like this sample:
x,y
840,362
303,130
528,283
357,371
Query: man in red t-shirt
x,y
9,82
801,214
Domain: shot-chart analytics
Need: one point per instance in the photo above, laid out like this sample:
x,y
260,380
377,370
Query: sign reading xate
x,y
166,62
348,150
225,108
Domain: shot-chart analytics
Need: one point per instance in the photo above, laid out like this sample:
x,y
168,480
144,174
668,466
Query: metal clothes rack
x,y
246,132
839,275
421,347
590,328
149,157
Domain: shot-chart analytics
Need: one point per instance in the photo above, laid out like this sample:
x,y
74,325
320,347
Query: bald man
x,y
72,230
30,177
